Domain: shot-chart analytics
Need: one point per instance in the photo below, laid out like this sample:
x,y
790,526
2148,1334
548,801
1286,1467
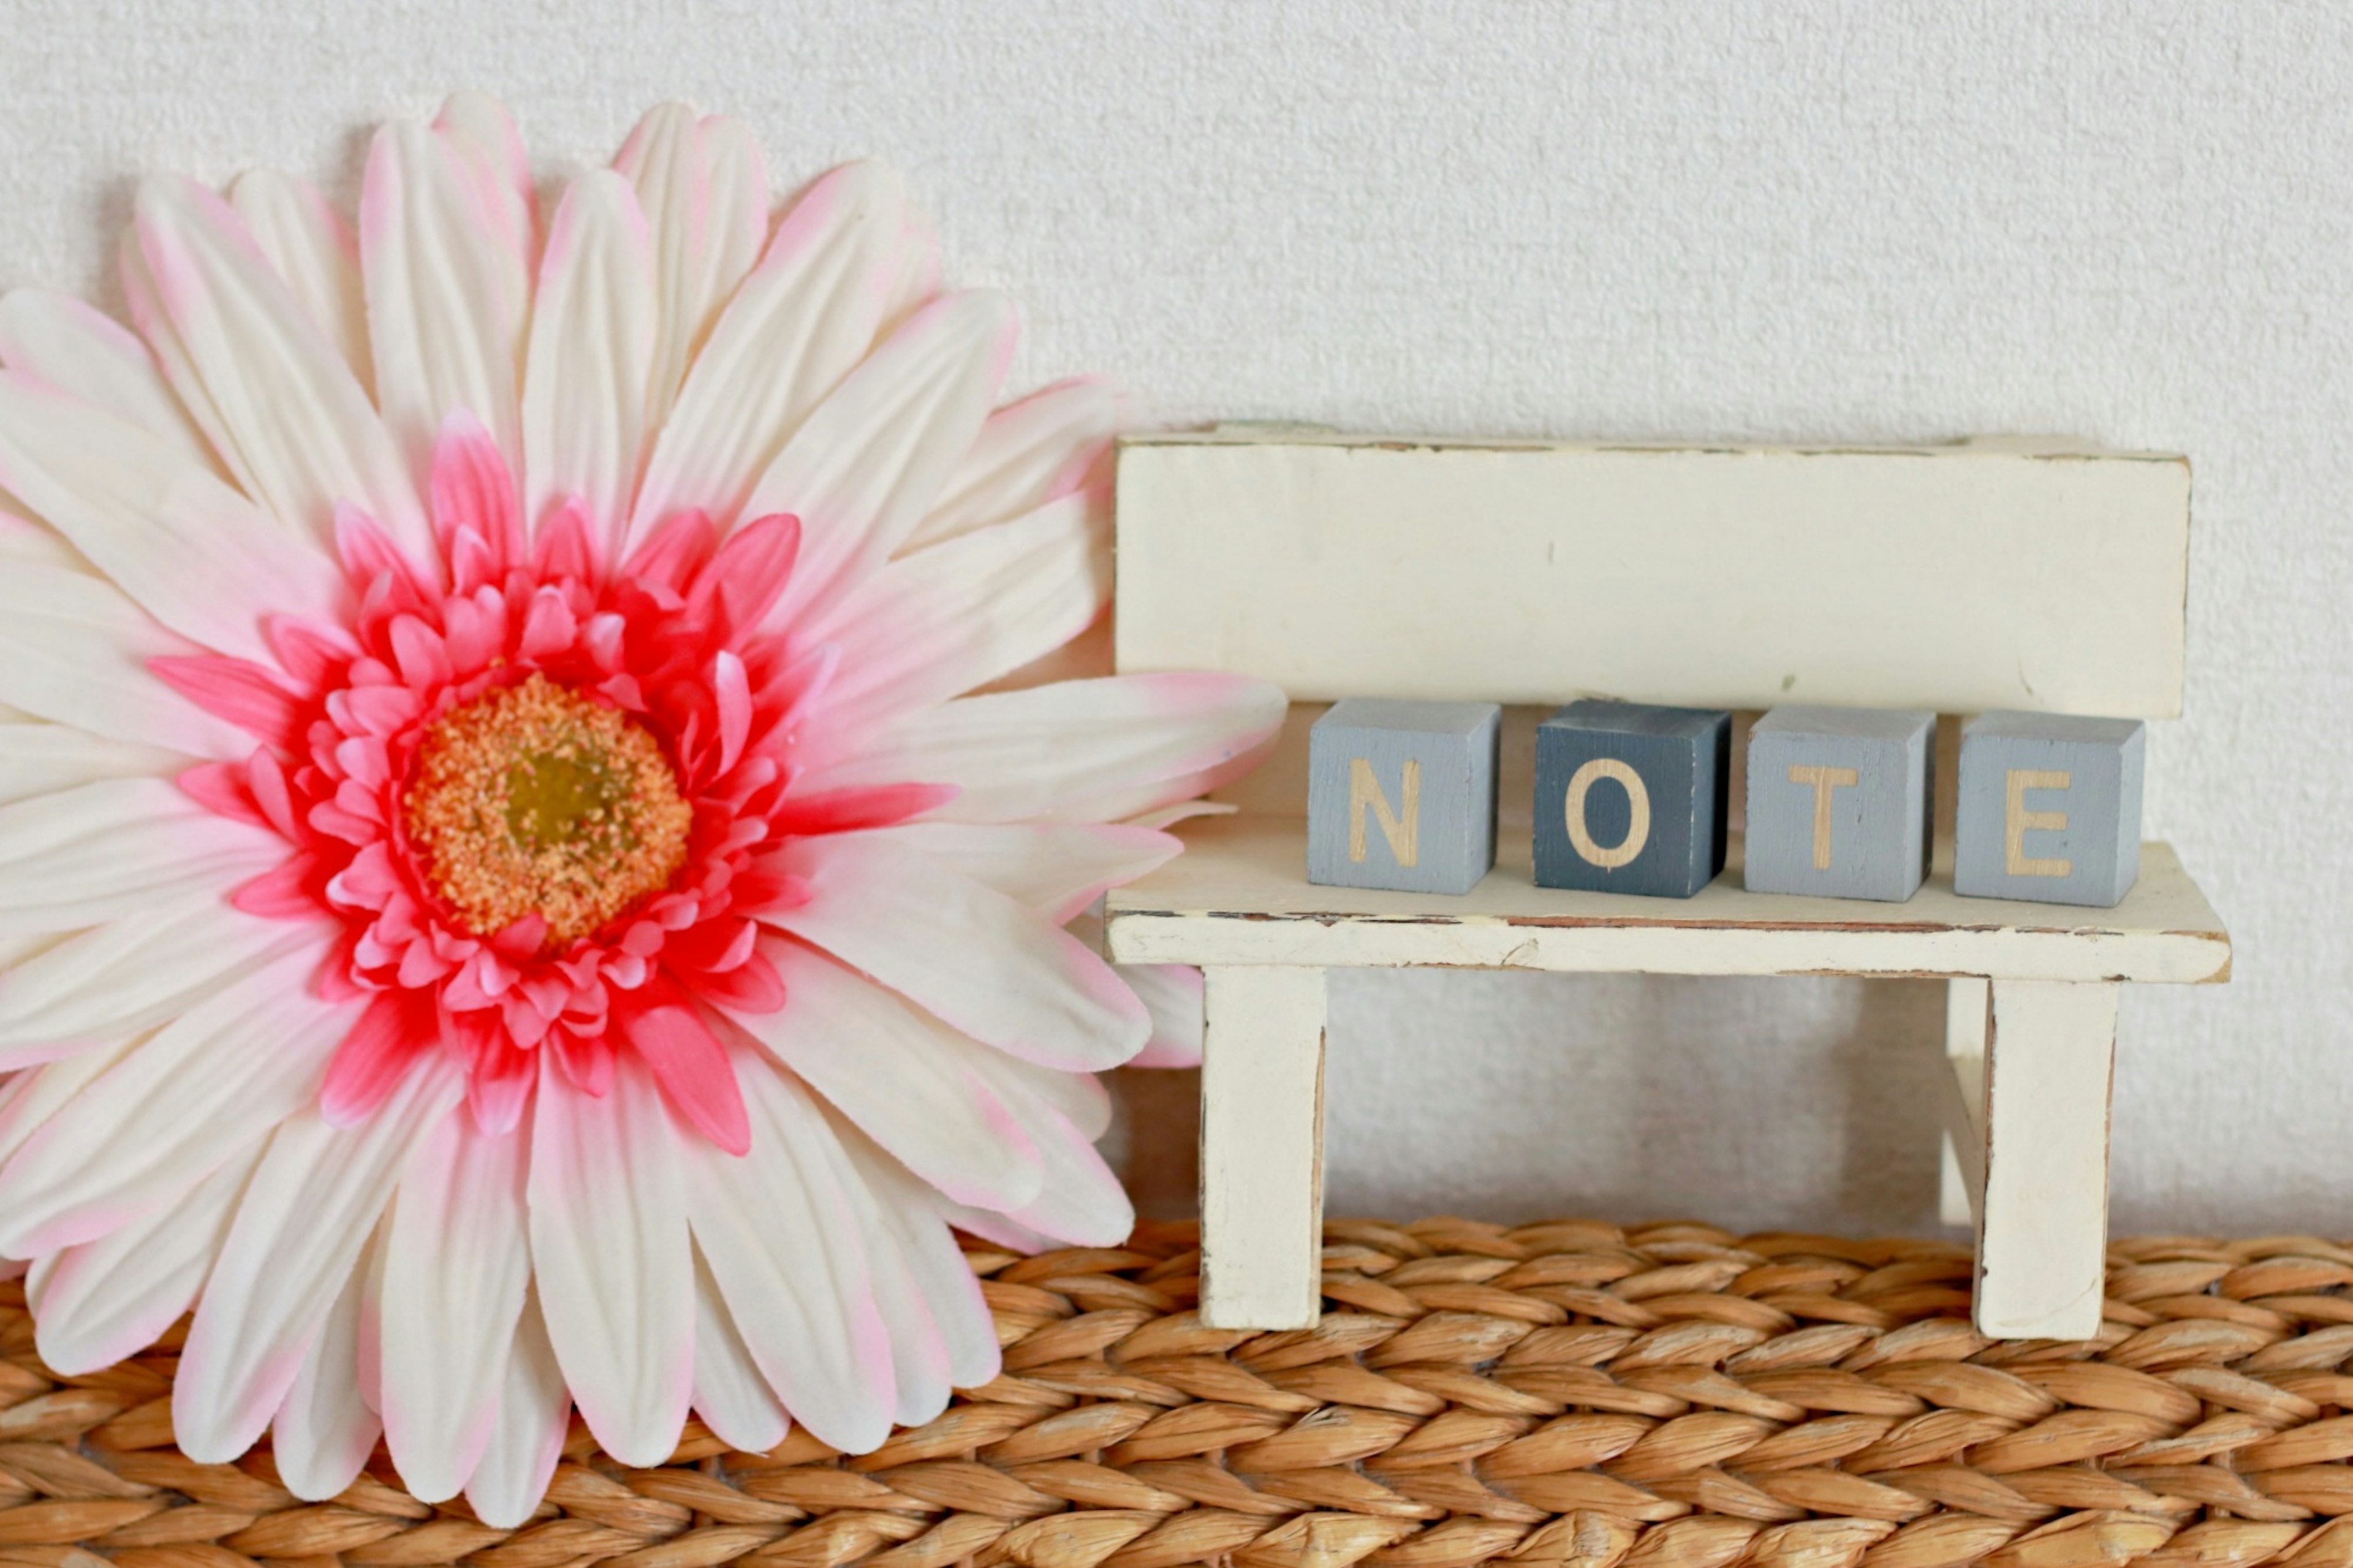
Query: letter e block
x,y
1839,801
2050,808
1402,795
1630,798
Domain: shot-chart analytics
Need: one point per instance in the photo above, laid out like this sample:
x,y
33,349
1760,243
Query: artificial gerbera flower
x,y
537,839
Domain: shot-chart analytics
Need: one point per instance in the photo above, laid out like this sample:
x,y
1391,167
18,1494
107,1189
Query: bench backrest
x,y
1997,573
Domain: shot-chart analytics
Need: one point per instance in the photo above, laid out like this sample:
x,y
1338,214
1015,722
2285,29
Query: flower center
x,y
534,800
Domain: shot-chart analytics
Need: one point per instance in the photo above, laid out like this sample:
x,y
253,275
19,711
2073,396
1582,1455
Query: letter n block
x,y
2050,808
1402,795
1630,798
1838,802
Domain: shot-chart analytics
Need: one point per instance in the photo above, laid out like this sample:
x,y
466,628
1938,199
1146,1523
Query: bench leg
x,y
1262,1148
2043,1225
1962,1179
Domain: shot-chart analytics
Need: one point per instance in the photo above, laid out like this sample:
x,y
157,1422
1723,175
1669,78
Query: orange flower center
x,y
532,799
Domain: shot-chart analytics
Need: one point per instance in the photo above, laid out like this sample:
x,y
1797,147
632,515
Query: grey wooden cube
x,y
1402,795
1630,797
1838,801
2049,808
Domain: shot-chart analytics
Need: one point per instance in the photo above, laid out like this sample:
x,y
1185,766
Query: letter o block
x,y
1630,798
1838,801
2049,808
1402,795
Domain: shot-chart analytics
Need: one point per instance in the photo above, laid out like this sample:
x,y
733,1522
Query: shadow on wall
x,y
1515,1097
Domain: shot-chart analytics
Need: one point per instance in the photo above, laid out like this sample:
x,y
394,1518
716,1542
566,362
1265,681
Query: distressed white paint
x,y
1950,578
1961,1170
1262,1148
2042,1226
1240,895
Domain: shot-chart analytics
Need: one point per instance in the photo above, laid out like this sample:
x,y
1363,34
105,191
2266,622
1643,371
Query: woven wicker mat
x,y
1554,1394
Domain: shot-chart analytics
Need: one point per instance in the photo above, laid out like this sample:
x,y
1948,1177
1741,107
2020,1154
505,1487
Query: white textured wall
x,y
1801,219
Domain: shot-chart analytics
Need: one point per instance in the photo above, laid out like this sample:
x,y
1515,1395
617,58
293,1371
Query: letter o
x,y
1638,826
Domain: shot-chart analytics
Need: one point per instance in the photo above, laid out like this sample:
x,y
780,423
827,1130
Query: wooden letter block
x,y
1402,795
1838,802
2050,808
1630,798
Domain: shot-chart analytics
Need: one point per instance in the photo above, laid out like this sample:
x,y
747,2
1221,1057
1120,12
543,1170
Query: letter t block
x,y
1838,802
1402,795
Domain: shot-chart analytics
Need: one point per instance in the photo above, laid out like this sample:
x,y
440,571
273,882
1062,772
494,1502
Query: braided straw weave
x,y
1671,1396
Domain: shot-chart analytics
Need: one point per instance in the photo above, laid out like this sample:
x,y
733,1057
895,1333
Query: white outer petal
x,y
591,356
911,1217
733,1400
133,973
446,308
274,393
86,856
41,759
30,1098
805,315
995,971
193,553
457,1265
324,1431
181,1104
705,195
901,1075
297,1241
75,650
939,623
1082,751
534,1413
782,1242
1029,452
311,246
111,1298
869,461
80,349
610,1255
1056,868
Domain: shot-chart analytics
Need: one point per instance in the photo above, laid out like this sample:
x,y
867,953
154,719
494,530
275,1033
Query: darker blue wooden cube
x,y
1630,798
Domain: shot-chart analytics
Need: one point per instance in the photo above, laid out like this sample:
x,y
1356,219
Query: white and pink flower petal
x,y
193,553
86,353
313,1202
274,393
900,1074
729,1396
445,306
939,623
1083,750
796,325
1053,443
457,1267
910,1215
324,1431
1055,868
609,1249
870,461
75,650
704,189
311,246
38,759
781,1241
534,1412
87,855
100,1302
133,973
590,358
31,1097
177,1106
922,1375
985,964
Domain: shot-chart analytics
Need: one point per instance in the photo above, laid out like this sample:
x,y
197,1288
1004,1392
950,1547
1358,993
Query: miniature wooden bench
x,y
1987,574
